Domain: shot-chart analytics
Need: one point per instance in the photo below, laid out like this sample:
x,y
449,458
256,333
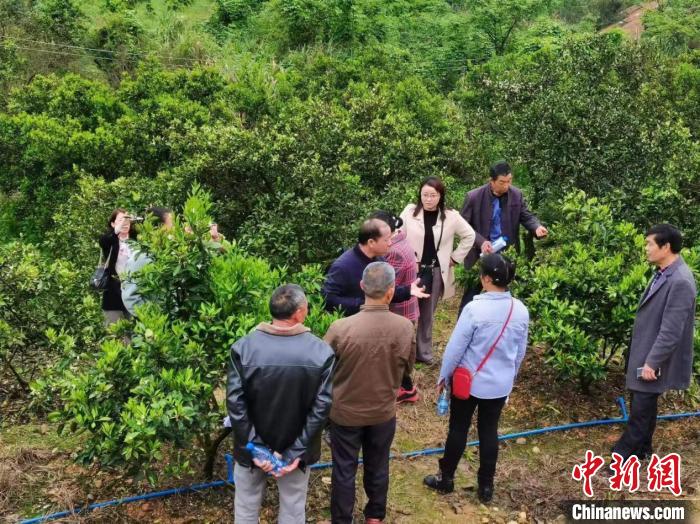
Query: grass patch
x,y
36,437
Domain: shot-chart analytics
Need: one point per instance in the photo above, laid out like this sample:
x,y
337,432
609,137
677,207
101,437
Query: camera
x,y
136,219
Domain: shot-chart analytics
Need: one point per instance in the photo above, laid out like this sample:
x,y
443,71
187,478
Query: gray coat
x,y
477,210
662,336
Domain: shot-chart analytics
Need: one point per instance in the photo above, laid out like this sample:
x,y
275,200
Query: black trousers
x,y
469,294
346,442
461,412
636,439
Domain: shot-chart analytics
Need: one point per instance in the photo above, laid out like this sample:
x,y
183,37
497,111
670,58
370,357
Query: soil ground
x,y
38,475
632,24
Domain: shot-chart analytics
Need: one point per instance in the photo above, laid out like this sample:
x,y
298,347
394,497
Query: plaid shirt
x,y
403,260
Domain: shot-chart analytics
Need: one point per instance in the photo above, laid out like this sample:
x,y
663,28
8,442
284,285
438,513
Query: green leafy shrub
x,y
82,217
138,400
40,299
674,27
230,12
582,289
120,39
60,20
594,114
692,258
306,22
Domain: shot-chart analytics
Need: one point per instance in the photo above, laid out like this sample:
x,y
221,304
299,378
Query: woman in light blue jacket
x,y
477,329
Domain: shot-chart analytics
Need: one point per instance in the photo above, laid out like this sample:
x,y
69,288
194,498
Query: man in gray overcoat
x,y
661,350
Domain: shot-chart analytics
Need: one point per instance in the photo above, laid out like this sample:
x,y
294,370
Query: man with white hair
x,y
372,349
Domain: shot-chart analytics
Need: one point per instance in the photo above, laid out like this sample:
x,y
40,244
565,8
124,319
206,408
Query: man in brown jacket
x,y
372,348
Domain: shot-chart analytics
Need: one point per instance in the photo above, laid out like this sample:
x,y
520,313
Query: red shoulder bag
x,y
462,377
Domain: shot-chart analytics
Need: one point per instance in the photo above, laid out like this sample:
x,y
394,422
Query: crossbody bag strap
x,y
498,338
442,228
109,256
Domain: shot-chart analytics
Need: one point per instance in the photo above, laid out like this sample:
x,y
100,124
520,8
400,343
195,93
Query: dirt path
x,y
533,477
632,23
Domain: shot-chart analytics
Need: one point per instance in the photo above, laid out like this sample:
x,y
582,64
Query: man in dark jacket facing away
x,y
279,396
496,209
662,339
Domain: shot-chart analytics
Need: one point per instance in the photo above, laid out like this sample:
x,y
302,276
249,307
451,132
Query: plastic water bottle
x,y
263,454
498,245
443,404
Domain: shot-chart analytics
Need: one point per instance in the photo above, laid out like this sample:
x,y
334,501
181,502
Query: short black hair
x,y
667,234
160,213
500,168
501,269
391,219
371,229
285,300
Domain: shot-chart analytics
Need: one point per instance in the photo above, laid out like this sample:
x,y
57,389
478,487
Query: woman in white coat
x,y
431,230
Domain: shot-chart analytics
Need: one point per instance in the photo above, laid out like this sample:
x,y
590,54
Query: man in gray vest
x,y
661,351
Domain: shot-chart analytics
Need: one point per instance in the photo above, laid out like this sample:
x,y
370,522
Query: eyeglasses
x,y
430,195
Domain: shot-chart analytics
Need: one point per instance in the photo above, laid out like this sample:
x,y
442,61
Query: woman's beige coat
x,y
455,226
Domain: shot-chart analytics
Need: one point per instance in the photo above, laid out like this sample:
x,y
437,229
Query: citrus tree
x,y
161,389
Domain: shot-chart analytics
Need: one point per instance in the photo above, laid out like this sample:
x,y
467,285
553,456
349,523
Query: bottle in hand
x,y
263,454
498,245
443,404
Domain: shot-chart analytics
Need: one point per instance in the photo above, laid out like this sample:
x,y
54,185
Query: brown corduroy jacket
x,y
372,349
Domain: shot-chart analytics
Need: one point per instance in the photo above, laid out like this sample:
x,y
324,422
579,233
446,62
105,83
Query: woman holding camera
x,y
115,253
431,230
488,345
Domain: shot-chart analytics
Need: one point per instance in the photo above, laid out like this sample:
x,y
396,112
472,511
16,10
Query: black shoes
x,y
485,493
440,484
447,485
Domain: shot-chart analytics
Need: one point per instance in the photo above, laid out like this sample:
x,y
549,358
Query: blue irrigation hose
x,y
509,436
623,407
326,465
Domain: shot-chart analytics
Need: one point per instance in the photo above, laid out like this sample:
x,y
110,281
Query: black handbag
x,y
100,278
425,273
